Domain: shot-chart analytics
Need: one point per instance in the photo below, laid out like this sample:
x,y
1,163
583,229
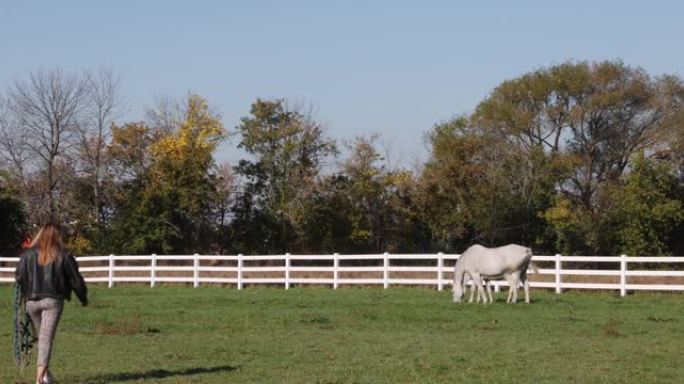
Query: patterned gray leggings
x,y
45,314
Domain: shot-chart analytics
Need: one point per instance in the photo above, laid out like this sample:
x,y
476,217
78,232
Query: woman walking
x,y
47,276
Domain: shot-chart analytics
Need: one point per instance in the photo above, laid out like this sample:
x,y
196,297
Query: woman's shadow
x,y
155,374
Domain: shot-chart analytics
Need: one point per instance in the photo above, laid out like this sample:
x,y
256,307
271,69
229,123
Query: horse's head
x,y
458,293
458,288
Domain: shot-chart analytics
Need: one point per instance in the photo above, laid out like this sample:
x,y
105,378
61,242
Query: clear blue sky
x,y
390,67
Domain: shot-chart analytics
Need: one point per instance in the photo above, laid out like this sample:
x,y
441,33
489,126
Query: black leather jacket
x,y
54,280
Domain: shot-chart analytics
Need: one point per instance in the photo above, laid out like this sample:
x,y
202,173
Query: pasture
x,y
177,334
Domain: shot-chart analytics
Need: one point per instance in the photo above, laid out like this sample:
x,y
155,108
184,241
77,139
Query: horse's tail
x,y
530,264
533,267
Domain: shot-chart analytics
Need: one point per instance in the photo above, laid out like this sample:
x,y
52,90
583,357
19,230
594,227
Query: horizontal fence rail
x,y
618,273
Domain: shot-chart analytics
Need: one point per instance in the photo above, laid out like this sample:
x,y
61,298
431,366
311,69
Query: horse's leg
x,y
464,284
526,285
488,285
472,289
516,280
477,282
484,286
510,290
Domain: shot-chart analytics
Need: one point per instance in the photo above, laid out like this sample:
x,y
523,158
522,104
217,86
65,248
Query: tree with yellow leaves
x,y
173,209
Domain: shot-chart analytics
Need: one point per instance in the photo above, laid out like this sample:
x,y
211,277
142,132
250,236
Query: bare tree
x,y
226,189
13,149
47,108
104,106
166,115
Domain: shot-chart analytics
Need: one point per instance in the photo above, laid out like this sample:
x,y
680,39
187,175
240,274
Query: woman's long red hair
x,y
49,244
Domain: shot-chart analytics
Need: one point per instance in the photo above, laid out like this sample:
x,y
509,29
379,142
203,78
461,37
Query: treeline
x,y
578,158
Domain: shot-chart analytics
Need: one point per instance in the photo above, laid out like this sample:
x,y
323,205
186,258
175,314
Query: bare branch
x,y
46,110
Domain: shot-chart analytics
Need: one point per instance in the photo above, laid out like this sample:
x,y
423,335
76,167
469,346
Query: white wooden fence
x,y
382,269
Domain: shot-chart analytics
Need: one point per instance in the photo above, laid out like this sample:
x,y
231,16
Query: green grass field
x,y
365,335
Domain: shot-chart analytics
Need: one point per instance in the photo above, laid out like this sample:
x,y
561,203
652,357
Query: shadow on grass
x,y
155,374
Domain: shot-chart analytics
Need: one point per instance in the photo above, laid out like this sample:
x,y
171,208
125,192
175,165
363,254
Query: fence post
x,y
111,271
153,270
623,275
239,271
287,271
336,272
558,273
195,271
385,271
440,272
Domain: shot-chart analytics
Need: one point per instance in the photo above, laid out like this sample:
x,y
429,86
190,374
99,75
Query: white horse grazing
x,y
509,262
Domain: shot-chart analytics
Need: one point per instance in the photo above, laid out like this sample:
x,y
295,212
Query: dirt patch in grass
x,y
126,326
610,328
657,319
321,321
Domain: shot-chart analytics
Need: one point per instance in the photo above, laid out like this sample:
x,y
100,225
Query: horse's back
x,y
515,249
510,249
495,260
476,250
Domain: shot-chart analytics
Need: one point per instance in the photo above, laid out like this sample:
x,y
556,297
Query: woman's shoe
x,y
48,378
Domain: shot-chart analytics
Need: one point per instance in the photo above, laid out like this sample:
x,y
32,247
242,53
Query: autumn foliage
x,y
578,158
